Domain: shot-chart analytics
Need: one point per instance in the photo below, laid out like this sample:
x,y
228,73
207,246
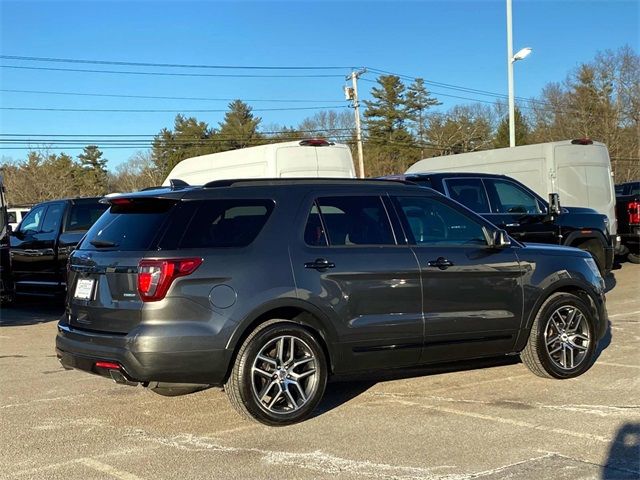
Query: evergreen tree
x,y
240,127
522,131
417,102
93,177
189,138
388,139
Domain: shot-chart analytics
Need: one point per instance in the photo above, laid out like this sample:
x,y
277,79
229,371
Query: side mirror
x,y
554,204
500,239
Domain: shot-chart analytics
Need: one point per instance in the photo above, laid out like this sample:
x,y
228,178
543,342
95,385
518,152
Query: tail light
x,y
155,276
633,209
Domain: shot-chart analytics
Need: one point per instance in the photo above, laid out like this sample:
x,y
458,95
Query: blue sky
x,y
455,42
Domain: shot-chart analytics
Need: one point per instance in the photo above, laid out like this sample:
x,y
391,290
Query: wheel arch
x,y
574,288
296,311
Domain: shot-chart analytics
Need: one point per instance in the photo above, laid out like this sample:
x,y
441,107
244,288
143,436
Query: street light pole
x,y
512,108
511,59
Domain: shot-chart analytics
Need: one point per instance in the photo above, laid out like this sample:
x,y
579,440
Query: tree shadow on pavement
x,y
31,311
342,389
623,461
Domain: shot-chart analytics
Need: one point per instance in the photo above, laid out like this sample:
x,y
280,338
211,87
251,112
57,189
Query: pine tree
x,y
417,102
389,142
189,138
240,127
94,177
521,129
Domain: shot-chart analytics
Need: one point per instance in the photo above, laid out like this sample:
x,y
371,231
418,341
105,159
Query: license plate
x,y
84,289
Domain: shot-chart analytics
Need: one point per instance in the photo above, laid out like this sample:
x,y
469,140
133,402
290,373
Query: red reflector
x,y
108,365
582,141
155,276
633,209
314,142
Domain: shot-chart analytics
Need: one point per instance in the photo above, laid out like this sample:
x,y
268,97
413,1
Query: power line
x,y
206,99
172,74
97,135
172,65
173,110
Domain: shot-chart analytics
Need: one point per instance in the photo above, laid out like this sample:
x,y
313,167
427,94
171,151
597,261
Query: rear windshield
x,y
83,215
128,227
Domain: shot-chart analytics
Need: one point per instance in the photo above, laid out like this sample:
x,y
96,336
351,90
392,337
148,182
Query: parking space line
x,y
624,314
505,421
108,469
609,364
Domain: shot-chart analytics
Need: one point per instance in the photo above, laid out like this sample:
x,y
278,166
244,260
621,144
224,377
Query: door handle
x,y
442,263
320,264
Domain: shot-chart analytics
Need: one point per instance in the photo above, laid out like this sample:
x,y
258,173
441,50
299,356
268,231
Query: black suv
x,y
512,206
268,287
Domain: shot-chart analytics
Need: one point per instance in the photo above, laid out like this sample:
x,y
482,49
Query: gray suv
x,y
269,287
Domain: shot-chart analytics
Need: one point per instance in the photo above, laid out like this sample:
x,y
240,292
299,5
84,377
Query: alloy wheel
x,y
567,337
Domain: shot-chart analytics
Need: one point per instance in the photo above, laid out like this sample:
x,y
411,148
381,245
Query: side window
x,y
314,233
432,222
33,221
12,217
470,192
507,197
226,223
83,215
353,220
53,218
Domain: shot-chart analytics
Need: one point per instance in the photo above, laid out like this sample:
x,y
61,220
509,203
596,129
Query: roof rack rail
x,y
231,182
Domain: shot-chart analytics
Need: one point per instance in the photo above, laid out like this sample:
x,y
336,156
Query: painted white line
x,y
506,421
108,469
624,314
54,466
623,365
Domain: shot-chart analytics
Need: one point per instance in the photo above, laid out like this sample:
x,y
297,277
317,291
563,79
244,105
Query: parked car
x,y
512,206
6,283
628,213
578,170
41,245
16,214
304,158
269,287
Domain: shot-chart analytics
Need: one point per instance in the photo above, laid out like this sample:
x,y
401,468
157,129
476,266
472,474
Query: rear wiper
x,y
103,243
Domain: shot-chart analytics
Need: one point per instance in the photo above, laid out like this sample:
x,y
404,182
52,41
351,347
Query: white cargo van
x,y
578,170
305,158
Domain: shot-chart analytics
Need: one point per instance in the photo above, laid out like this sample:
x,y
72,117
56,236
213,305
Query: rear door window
x,y
469,192
83,215
349,220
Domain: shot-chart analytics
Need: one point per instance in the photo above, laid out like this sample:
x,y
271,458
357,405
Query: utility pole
x,y
512,124
351,93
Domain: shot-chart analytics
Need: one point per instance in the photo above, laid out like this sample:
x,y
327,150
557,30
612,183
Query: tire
x,y
575,337
633,257
268,384
595,248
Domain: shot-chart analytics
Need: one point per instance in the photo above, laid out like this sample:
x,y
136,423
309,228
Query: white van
x,y
305,158
578,170
16,214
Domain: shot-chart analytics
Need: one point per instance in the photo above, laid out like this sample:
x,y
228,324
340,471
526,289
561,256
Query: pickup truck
x,y
512,206
41,244
628,215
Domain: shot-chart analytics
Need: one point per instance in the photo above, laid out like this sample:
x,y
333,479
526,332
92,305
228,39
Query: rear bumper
x,y
631,239
143,356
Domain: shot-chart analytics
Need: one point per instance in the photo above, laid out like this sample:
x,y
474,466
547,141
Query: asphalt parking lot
x,y
489,420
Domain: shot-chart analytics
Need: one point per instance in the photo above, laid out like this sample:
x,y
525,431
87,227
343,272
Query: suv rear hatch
x,y
103,271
